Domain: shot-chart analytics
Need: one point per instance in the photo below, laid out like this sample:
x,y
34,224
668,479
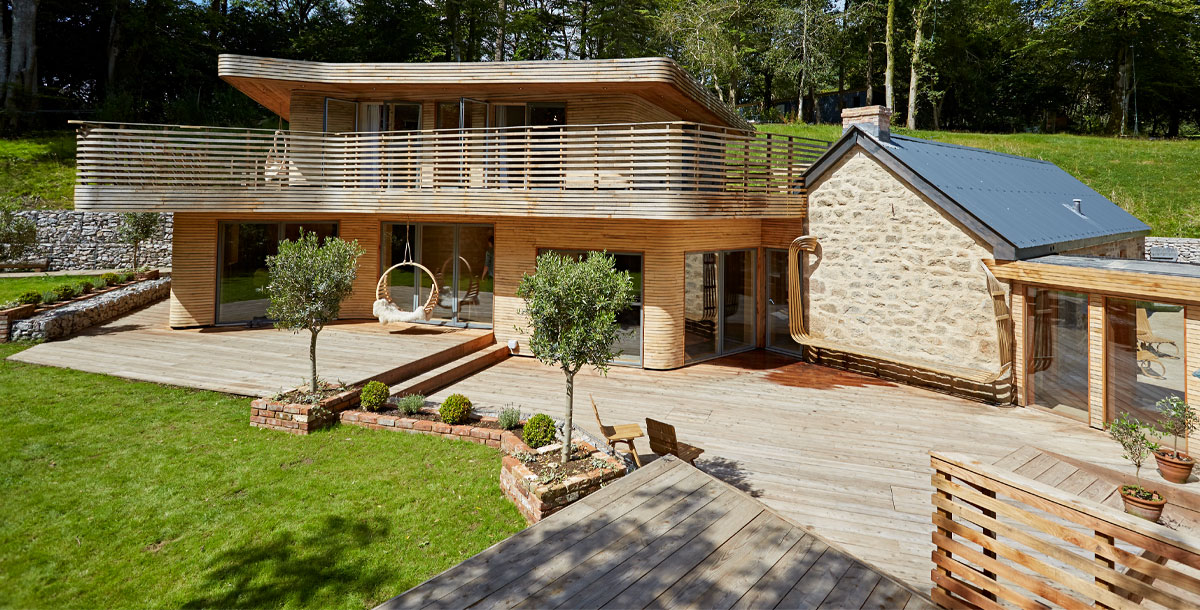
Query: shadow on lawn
x,y
292,570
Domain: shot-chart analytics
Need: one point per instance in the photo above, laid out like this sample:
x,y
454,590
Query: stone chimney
x,y
875,120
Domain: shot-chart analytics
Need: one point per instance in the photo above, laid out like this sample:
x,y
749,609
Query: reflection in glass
x,y
461,258
629,338
476,271
437,253
737,300
243,271
700,305
1145,361
778,333
1058,360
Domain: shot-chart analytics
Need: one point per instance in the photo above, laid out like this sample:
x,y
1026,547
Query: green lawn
x,y
1157,181
38,171
121,494
13,287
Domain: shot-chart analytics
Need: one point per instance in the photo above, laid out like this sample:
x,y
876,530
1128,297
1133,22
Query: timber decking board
x,y
666,535
824,448
256,362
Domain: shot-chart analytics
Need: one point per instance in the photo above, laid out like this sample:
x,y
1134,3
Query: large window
x,y
779,334
461,258
719,305
629,339
242,264
1145,356
1057,362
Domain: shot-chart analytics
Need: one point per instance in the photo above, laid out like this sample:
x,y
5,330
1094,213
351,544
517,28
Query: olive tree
x,y
137,227
572,307
307,281
17,236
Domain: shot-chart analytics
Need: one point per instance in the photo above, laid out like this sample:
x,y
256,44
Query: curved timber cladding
x,y
517,241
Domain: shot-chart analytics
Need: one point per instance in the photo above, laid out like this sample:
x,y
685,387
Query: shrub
x,y
63,292
411,404
86,287
539,431
128,276
509,418
31,297
374,395
455,409
110,278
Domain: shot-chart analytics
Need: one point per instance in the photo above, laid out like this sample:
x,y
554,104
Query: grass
x,y
122,494
13,287
1155,180
38,171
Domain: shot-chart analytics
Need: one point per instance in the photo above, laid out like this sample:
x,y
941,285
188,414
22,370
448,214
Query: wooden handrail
x,y
1003,538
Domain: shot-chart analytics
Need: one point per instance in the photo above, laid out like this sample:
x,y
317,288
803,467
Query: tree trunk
x,y
111,51
889,70
915,67
312,357
501,17
768,85
566,448
800,97
135,257
22,66
1123,89
5,49
870,67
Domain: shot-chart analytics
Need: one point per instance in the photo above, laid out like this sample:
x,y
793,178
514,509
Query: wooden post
x,y
1097,379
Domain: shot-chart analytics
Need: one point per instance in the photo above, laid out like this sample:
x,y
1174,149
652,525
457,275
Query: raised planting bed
x,y
85,311
12,314
540,485
483,430
288,413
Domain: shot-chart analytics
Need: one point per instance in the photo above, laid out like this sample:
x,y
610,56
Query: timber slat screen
x,y
1003,540
725,166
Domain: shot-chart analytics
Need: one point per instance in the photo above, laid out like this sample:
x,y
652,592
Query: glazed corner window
x,y
242,264
1058,355
629,339
1145,343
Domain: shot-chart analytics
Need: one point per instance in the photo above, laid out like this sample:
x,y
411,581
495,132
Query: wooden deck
x,y
844,454
666,536
251,362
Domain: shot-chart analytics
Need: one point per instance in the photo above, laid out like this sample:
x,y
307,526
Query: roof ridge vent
x,y
1076,206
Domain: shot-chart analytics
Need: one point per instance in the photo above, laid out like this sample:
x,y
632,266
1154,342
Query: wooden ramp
x,y
669,536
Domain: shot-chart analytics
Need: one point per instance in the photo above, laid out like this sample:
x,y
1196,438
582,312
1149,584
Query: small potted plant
x,y
1179,419
1131,435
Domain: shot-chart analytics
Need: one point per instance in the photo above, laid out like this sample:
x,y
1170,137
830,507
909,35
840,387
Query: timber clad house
x,y
984,274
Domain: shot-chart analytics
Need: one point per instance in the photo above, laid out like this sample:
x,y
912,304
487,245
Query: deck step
x,y
436,360
454,372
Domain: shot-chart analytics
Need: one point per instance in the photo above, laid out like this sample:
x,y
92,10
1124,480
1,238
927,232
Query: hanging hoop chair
x,y
389,312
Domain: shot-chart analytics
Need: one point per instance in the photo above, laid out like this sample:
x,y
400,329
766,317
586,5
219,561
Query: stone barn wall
x,y
896,275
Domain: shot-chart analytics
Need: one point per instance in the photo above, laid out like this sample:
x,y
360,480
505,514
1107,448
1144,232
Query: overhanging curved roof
x,y
657,79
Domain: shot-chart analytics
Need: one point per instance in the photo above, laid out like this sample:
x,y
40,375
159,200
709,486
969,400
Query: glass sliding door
x,y
242,264
629,338
1145,357
779,335
1057,364
462,260
719,303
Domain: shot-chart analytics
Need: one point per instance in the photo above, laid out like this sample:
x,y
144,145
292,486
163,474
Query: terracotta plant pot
x,y
1174,470
1147,509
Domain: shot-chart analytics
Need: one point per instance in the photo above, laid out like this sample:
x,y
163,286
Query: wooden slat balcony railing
x,y
1006,541
635,169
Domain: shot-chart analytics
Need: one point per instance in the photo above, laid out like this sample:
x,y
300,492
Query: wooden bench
x,y
34,265
663,442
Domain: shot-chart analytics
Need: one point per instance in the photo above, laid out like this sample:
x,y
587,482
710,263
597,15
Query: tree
x,y
572,309
915,67
18,235
137,227
889,72
307,282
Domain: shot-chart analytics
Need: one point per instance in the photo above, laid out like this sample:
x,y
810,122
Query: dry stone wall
x,y
88,240
1189,249
895,275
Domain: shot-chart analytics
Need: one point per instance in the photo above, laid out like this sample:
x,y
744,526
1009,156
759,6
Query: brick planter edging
x,y
479,435
299,418
536,501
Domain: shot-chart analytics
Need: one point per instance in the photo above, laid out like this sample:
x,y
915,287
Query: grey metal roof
x,y
1122,264
1022,206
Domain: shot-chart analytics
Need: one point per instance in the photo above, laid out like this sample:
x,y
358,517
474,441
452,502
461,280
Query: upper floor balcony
x,y
637,170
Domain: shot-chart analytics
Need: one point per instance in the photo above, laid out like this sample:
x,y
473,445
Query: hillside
x,y
1157,181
